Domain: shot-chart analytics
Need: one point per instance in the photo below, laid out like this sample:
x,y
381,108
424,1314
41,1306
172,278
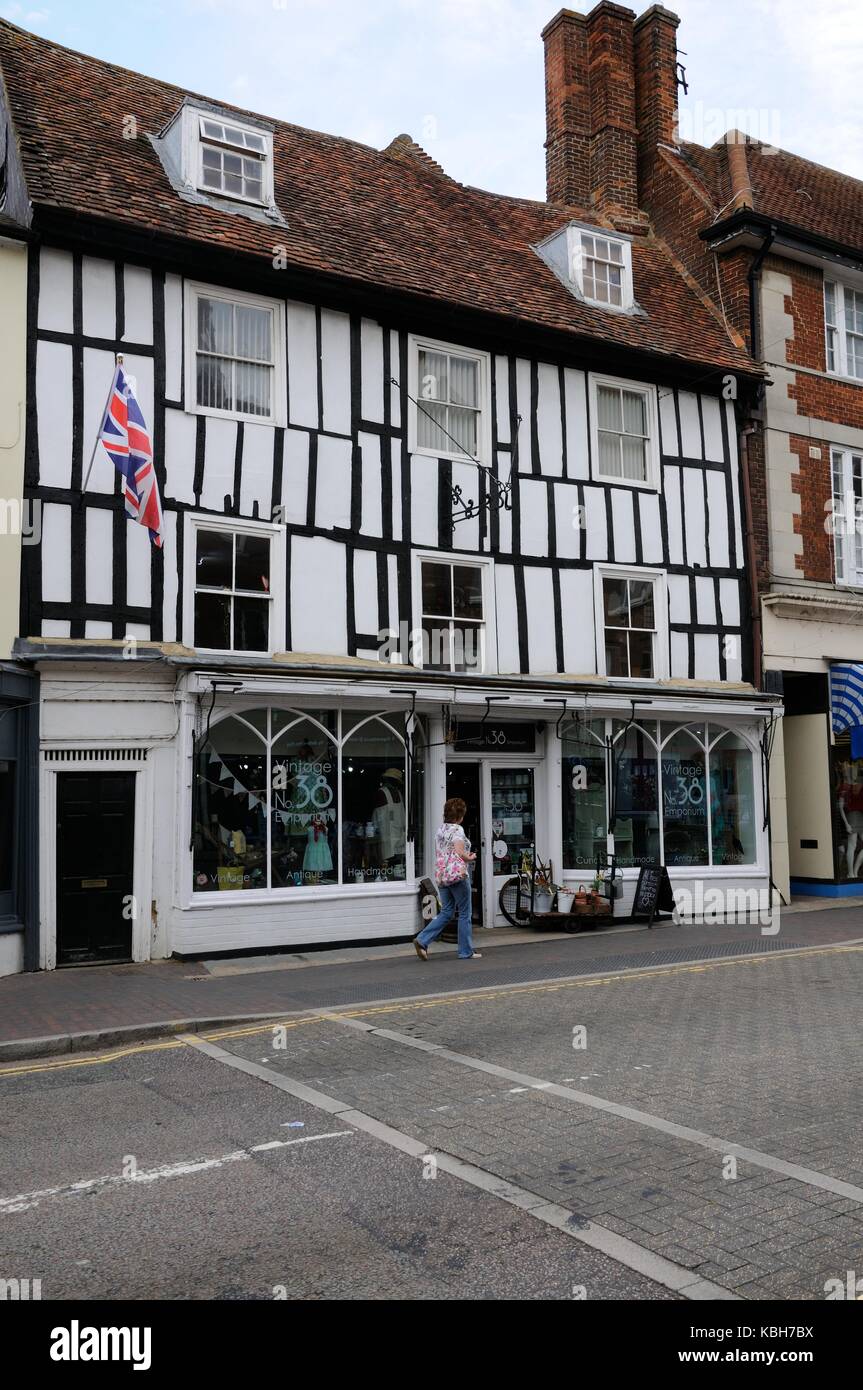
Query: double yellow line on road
x,y
478,996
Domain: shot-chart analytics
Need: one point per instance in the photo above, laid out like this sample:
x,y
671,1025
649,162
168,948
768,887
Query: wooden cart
x,y
523,899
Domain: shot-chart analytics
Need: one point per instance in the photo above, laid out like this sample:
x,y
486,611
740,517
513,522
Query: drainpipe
x,y
744,433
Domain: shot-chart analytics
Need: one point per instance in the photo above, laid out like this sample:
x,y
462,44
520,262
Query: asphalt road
x,y
681,1132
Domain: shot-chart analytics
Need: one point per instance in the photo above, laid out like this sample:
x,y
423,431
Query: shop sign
x,y
489,737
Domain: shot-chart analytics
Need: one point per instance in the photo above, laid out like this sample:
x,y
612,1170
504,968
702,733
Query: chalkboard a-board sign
x,y
652,893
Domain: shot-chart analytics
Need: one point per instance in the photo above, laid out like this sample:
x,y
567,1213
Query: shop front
x,y
310,807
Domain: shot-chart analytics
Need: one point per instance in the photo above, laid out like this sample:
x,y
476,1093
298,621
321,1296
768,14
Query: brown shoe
x,y
420,950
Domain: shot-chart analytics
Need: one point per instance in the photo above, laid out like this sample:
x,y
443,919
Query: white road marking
x,y
757,1157
25,1201
626,1252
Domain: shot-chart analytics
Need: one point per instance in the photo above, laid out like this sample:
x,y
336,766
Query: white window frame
x,y
488,642
193,291
847,518
197,521
840,365
193,142
579,254
415,346
654,476
660,612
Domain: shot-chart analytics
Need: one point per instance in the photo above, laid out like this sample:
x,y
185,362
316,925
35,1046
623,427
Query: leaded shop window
x,y
732,798
230,807
374,803
585,817
684,797
635,796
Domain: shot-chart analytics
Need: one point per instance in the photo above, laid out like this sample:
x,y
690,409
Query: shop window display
x,y
585,818
848,800
684,798
732,799
299,799
636,831
374,807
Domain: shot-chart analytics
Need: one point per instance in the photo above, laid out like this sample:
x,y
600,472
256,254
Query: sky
x,y
464,78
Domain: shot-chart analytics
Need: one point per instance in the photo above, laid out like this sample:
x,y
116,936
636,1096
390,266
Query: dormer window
x,y
594,264
602,269
234,161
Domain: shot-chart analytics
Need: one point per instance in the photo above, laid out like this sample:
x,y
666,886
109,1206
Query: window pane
x,y
463,381
251,624
512,817
304,802
229,822
684,801
213,129
432,376
255,142
234,136
374,820
616,652
634,458
233,183
584,804
609,455
254,333
732,801
253,188
430,434
634,413
615,600
436,645
641,654
214,559
437,589
253,563
462,426
467,583
215,325
466,640
609,411
252,389
214,383
616,252
213,622
636,834
212,159
641,603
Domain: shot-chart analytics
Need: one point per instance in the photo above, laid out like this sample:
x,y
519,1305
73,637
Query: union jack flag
x,y
127,444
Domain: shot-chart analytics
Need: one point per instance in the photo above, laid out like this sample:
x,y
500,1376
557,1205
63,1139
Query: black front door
x,y
95,843
463,779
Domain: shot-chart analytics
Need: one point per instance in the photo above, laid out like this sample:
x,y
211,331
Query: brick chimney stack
x,y
656,79
611,97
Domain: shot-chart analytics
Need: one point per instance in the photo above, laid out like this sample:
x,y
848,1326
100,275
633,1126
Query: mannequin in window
x,y
850,805
389,819
317,858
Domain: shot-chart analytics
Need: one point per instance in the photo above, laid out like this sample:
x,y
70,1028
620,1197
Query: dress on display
x,y
317,858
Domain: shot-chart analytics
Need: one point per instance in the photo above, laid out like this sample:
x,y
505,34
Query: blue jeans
x,y
455,898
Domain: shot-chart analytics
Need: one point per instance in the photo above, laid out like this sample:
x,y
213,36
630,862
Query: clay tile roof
x,y
819,201
387,218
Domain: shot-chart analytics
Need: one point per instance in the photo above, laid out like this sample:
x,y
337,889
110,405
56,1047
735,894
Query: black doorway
x,y
463,779
95,852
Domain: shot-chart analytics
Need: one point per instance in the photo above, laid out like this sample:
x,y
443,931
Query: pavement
x,y
53,1011
666,1115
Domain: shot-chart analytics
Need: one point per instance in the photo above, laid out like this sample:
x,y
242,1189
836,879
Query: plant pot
x,y
542,900
565,900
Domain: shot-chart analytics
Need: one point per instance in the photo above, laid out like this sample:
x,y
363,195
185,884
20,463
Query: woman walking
x,y
452,858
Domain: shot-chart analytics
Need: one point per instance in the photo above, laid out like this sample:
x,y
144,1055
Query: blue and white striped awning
x,y
846,695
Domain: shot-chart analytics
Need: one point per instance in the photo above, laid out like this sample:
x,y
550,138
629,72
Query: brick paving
x,y
762,1054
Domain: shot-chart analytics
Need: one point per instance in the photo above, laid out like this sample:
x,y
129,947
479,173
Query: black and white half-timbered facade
x,y
452,505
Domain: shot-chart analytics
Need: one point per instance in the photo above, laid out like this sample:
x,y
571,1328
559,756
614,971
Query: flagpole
x,y
118,362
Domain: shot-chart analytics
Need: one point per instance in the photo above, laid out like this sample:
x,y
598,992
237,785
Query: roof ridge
x,y
405,147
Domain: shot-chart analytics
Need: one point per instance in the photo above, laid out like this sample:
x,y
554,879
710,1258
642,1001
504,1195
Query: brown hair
x,y
454,809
